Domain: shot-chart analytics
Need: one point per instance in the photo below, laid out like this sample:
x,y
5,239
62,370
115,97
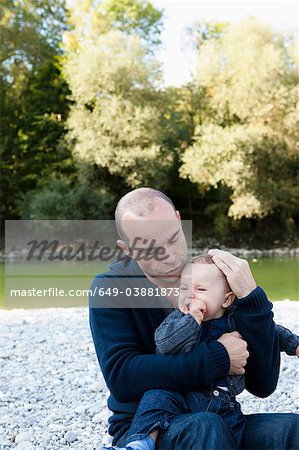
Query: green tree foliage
x,y
30,30
248,141
59,199
200,32
137,17
33,98
84,117
90,19
115,120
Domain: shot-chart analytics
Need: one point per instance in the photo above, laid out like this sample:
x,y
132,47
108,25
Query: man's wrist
x,y
255,302
219,358
249,291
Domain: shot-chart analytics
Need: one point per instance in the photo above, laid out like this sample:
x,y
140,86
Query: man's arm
x,y
129,371
256,325
288,341
254,319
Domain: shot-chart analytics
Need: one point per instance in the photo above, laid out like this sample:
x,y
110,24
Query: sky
x,y
177,62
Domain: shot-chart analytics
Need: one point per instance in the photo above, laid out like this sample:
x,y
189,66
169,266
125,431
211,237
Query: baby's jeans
x,y
158,407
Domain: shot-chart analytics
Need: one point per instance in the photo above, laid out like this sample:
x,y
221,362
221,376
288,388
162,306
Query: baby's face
x,y
204,282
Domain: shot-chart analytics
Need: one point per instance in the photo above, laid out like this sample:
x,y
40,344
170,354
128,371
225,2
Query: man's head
x,y
146,221
202,280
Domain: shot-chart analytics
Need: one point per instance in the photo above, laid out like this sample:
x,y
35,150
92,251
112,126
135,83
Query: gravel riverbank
x,y
52,393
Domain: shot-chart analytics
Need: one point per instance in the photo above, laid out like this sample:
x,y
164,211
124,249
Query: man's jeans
x,y
158,407
208,431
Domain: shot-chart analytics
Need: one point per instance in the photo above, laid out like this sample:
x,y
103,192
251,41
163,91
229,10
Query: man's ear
x,y
123,246
178,215
229,298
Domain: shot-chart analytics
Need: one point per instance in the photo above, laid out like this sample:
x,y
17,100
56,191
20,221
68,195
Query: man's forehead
x,y
158,223
156,210
147,230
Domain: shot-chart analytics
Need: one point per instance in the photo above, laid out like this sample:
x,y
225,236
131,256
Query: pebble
x,y
71,436
107,439
23,437
101,417
80,409
25,446
57,397
56,427
98,386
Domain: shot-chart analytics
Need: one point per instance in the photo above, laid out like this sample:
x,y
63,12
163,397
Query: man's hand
x,y
237,350
236,270
297,351
198,309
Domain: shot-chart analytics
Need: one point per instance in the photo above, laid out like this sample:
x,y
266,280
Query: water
x,y
278,276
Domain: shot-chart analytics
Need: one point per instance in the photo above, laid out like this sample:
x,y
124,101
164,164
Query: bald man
x,y
123,326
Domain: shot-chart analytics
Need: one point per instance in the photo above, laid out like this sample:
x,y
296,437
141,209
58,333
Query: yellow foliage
x,y
250,141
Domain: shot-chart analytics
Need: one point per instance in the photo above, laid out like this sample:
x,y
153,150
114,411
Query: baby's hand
x,y
198,309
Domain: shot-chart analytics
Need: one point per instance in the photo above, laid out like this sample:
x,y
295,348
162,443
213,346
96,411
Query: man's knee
x,y
155,395
194,432
158,397
271,431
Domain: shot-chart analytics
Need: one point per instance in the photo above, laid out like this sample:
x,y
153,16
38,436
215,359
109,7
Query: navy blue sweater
x,y
126,351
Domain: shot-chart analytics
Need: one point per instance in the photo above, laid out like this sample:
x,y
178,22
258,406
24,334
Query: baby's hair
x,y
202,258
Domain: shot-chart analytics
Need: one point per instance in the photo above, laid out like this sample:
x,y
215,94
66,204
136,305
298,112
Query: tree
x,y
89,19
31,31
114,121
33,98
248,140
201,32
58,199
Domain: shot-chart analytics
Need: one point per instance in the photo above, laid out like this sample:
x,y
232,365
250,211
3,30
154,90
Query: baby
x,y
206,311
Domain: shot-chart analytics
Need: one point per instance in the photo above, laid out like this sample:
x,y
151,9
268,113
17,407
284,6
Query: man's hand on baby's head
x,y
236,270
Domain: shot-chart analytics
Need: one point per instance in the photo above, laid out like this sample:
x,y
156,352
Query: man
x,y
123,334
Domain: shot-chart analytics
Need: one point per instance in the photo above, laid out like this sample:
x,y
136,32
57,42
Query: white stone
x,y
23,437
80,409
71,436
28,406
58,389
4,419
102,416
107,440
56,427
98,386
25,446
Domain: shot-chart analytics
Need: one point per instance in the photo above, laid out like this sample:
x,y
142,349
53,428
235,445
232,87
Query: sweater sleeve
x,y
288,341
178,333
129,372
254,318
